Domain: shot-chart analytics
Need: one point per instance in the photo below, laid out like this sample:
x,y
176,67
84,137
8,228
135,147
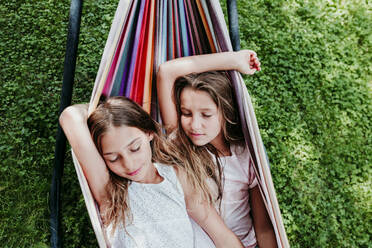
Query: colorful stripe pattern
x,y
146,33
153,32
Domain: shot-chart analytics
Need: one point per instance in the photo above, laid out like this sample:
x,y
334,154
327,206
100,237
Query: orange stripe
x,y
150,60
205,23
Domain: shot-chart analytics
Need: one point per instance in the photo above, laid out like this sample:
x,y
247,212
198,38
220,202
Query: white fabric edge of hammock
x,y
109,51
264,188
113,36
90,204
263,164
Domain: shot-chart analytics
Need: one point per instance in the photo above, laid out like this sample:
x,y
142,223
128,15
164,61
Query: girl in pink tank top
x,y
198,103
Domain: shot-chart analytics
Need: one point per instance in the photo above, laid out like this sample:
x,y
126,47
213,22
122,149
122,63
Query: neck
x,y
223,153
222,146
153,177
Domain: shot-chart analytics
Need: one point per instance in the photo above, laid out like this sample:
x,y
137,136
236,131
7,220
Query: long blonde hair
x,y
121,111
219,88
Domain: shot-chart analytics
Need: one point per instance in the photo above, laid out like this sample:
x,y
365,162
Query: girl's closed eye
x,y
186,113
206,115
113,160
136,148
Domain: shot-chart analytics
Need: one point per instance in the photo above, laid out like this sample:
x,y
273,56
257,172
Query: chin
x,y
199,142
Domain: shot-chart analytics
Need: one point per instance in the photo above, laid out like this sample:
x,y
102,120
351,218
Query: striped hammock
x,y
143,35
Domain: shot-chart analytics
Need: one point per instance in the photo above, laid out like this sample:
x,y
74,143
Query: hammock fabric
x,y
146,33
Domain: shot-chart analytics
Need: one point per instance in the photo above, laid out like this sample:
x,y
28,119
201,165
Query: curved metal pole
x,y
66,94
232,14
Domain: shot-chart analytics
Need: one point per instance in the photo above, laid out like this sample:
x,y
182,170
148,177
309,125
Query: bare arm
x,y
207,217
244,61
262,225
74,123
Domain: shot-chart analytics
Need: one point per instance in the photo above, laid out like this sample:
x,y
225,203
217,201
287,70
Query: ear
x,y
150,136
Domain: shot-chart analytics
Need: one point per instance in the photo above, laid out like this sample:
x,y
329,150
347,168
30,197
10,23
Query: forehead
x,y
119,137
191,98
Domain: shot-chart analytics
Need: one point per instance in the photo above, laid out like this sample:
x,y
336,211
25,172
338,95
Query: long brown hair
x,y
219,88
121,111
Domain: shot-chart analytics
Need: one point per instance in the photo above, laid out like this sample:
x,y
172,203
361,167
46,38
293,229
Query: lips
x,y
134,172
196,134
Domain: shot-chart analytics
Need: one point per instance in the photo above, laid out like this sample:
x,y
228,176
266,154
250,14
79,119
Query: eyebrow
x,y
202,109
131,143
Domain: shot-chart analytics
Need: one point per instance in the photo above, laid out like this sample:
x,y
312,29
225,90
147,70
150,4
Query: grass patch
x,y
312,100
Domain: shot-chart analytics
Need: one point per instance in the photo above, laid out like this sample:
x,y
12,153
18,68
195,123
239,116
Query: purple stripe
x,y
135,49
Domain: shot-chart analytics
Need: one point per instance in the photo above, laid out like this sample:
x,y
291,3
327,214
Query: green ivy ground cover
x,y
312,100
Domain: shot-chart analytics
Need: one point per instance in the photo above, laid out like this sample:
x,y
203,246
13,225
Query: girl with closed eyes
x,y
140,181
197,101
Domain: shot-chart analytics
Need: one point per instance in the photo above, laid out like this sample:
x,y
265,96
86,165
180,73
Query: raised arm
x,y
207,217
74,123
244,61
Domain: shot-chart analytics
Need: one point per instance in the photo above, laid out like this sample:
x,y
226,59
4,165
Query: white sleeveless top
x,y
159,216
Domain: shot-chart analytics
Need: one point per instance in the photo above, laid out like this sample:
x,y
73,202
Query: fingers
x,y
250,71
254,63
248,62
251,52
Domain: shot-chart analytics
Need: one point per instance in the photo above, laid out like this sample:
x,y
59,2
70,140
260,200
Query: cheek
x,y
184,122
146,153
113,167
216,124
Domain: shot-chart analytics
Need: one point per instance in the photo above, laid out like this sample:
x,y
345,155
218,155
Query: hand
x,y
248,62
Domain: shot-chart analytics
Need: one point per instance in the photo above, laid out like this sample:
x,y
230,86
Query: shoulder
x,y
169,172
180,173
239,150
173,135
164,169
183,179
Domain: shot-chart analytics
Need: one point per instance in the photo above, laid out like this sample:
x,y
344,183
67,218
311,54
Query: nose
x,y
128,164
195,122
